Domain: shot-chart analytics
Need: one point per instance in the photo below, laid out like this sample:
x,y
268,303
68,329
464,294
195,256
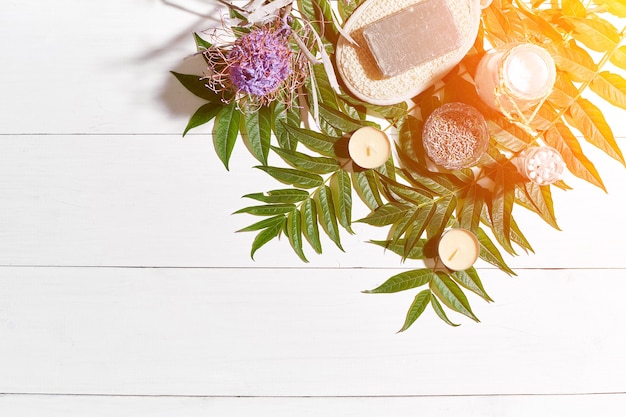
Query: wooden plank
x,y
303,332
159,200
497,406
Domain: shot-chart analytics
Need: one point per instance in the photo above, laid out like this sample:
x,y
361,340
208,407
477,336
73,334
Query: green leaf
x,y
421,301
391,112
225,132
611,87
418,225
326,214
282,115
264,224
294,233
258,128
308,213
280,196
444,209
265,236
347,7
490,253
204,114
404,281
366,187
451,295
294,177
590,121
440,312
385,215
518,237
405,194
471,206
410,137
501,207
196,85
342,122
315,141
400,226
267,210
342,197
201,44
326,93
299,160
470,280
564,141
538,198
417,252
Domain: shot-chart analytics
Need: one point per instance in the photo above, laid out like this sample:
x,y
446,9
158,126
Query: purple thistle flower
x,y
258,67
259,62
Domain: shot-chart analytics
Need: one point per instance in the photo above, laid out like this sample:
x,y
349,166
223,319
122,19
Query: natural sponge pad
x,y
360,72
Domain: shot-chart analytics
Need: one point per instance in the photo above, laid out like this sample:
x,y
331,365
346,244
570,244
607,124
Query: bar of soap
x,y
412,36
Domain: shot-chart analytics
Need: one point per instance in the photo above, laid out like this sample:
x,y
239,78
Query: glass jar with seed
x,y
455,136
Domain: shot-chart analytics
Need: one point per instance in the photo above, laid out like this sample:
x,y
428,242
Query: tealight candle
x,y
369,147
458,249
515,77
542,165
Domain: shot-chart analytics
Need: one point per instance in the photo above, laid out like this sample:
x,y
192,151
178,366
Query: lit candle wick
x,y
452,254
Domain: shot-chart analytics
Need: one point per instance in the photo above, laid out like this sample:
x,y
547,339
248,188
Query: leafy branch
x,y
415,203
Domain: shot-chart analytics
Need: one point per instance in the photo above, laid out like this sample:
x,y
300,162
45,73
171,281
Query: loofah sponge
x,y
360,71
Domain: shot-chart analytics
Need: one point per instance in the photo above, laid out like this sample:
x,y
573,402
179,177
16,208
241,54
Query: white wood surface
x,y
124,290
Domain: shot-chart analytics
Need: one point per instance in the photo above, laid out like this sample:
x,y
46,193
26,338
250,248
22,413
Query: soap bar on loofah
x,y
412,36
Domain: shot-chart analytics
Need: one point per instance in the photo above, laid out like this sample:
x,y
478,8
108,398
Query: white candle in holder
x,y
458,249
369,147
515,77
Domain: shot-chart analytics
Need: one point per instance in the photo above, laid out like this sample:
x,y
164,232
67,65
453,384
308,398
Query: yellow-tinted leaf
x,y
619,57
594,32
574,60
590,121
616,7
562,139
611,87
573,8
537,198
507,134
564,92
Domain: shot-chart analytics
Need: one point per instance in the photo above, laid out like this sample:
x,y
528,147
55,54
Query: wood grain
x,y
124,289
308,332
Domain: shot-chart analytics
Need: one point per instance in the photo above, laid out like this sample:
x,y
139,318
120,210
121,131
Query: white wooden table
x,y
124,290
